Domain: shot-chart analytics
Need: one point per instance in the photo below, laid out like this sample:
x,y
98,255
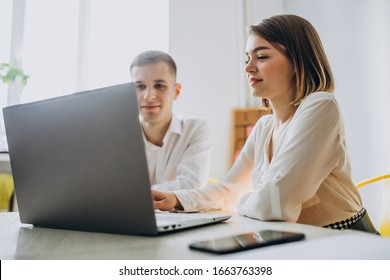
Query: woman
x,y
294,166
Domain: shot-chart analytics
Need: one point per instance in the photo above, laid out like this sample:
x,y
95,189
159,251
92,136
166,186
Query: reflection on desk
x,y
20,241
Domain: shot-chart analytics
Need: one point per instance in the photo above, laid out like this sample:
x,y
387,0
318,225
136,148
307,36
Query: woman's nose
x,y
250,68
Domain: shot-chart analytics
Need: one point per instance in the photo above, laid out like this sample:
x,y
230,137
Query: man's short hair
x,y
153,56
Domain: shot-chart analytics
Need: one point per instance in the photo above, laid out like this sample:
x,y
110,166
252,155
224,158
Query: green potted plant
x,y
9,72
14,77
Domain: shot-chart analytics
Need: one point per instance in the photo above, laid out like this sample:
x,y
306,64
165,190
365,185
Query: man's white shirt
x,y
183,161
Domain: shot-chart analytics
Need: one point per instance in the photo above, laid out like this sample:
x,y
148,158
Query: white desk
x,y
20,241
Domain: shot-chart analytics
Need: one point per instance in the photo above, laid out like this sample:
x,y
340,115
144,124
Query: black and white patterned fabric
x,y
347,223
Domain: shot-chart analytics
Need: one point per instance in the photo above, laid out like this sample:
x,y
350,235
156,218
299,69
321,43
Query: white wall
x,y
207,39
204,41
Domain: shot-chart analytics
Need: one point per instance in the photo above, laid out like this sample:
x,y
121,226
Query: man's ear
x,y
178,90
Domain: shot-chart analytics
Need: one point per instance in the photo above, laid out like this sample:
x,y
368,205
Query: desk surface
x,y
21,241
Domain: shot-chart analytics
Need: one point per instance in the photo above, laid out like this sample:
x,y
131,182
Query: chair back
x,y
385,216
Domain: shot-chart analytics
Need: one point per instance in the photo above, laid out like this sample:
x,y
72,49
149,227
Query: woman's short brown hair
x,y
295,37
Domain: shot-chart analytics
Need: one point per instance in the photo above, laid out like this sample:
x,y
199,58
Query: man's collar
x,y
175,126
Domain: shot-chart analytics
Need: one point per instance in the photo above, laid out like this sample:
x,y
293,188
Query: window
x,y
74,45
119,31
5,33
50,48
5,29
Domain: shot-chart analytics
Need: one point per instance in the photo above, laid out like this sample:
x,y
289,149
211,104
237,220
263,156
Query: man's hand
x,y
165,201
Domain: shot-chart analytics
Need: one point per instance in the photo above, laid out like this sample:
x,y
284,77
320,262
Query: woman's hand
x,y
165,201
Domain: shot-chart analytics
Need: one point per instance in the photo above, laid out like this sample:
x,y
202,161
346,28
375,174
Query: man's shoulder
x,y
193,121
194,126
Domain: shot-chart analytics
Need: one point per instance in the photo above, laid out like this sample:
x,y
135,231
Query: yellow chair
x,y
385,219
6,192
372,180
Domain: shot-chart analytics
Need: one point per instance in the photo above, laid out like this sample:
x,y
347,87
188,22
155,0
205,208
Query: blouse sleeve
x,y
226,193
307,156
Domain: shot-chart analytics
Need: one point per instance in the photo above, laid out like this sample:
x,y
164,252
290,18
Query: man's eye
x,y
159,86
140,87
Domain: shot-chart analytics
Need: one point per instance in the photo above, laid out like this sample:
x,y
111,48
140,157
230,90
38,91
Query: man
x,y
177,149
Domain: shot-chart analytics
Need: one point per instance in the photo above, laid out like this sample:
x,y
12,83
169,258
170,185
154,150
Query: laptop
x,y
78,162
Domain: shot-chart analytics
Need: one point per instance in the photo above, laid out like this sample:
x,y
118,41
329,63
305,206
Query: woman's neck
x,y
283,112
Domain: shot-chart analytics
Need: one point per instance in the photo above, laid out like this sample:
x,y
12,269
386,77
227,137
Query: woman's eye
x,y
262,57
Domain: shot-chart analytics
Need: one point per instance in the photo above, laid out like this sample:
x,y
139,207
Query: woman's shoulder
x,y
265,122
321,104
320,97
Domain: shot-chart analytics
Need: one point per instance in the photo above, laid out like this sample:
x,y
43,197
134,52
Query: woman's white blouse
x,y
307,181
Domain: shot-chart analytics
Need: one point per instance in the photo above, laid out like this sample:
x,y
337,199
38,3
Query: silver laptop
x,y
78,162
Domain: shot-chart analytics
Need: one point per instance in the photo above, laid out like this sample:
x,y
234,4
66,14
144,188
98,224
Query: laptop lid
x,y
78,162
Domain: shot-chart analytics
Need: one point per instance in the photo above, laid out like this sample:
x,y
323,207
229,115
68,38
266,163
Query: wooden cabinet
x,y
243,121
